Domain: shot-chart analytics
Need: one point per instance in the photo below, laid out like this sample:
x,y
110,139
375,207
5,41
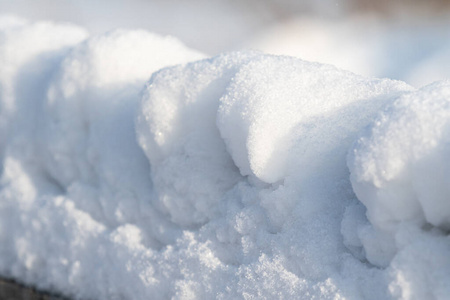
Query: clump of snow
x,y
399,169
249,146
27,55
88,128
133,170
266,130
89,144
176,128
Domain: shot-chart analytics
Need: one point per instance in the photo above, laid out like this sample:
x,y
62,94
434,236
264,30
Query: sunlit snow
x,y
135,167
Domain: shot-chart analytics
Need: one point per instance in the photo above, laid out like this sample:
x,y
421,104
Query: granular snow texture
x,y
133,170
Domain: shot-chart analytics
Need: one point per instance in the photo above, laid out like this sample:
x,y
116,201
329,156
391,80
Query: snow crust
x,y
133,168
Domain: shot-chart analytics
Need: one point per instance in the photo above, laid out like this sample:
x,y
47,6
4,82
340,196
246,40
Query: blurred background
x,y
407,40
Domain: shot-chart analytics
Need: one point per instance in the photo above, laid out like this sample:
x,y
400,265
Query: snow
x,y
398,168
134,167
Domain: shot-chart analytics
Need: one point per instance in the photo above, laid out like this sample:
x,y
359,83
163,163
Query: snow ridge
x,y
135,168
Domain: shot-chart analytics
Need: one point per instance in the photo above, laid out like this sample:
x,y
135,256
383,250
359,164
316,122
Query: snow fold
x,y
133,170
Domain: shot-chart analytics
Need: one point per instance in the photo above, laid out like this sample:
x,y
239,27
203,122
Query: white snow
x,y
133,167
399,166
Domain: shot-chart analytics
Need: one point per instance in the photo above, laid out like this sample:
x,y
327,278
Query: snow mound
x,y
399,167
28,53
176,128
88,129
131,171
270,122
199,122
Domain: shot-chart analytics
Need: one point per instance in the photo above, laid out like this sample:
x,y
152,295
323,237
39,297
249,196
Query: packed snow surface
x,y
133,167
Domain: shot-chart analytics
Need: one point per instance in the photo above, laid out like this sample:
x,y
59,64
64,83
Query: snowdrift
x,y
135,168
